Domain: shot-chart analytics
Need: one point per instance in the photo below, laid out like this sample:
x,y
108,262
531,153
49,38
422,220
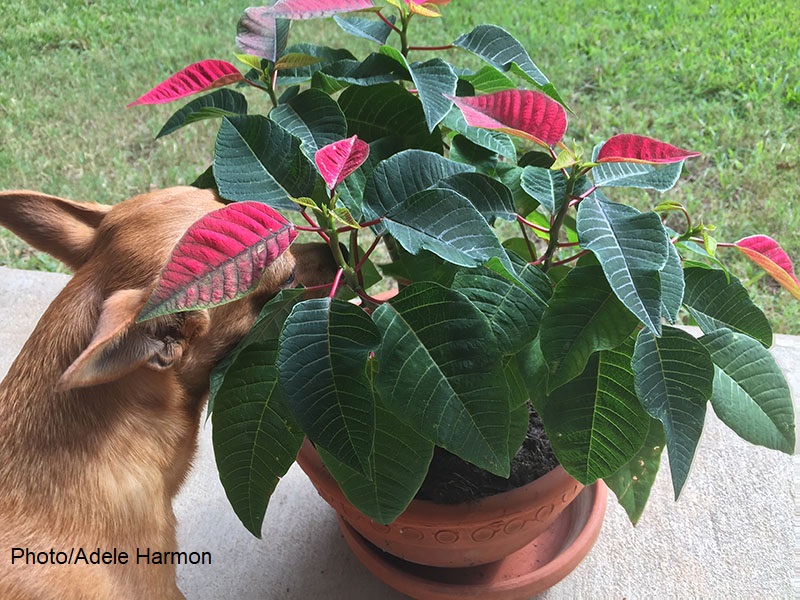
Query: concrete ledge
x,y
731,535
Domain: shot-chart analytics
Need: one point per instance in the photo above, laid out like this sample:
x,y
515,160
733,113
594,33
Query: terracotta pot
x,y
531,570
458,535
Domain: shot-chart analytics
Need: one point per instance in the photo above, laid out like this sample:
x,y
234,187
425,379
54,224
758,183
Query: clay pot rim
x,y
538,580
423,512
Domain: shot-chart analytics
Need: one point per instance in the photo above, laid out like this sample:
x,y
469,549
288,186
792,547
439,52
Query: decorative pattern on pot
x,y
459,535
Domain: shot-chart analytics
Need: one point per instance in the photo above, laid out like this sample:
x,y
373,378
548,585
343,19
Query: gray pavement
x,y
731,535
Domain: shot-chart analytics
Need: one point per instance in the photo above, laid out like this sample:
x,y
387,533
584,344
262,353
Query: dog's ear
x,y
120,345
62,228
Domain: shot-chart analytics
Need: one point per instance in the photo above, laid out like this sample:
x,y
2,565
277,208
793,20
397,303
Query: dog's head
x,y
117,254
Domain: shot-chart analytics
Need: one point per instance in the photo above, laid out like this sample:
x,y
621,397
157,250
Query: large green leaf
x,y
637,175
496,141
632,248
434,81
446,223
403,175
672,285
512,313
400,462
440,371
313,117
255,437
302,74
595,422
368,29
219,103
716,299
501,50
546,186
387,110
324,348
750,395
256,159
674,379
488,80
583,317
374,69
490,197
267,327
634,480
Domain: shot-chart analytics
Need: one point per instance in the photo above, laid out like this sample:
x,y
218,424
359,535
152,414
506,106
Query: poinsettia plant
x,y
520,281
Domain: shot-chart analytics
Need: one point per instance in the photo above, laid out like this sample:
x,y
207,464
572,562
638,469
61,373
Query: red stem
x,y
570,259
525,221
388,22
335,286
316,227
369,251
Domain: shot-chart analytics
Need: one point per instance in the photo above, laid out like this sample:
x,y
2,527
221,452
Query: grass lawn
x,y
721,78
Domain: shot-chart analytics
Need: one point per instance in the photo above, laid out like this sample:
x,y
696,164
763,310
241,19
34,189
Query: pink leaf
x,y
220,258
524,113
201,76
338,160
628,147
767,254
315,9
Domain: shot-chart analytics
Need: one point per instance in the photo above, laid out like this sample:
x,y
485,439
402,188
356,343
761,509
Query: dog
x,y
99,414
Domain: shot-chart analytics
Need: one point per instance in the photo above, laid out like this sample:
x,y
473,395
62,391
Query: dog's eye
x,y
291,279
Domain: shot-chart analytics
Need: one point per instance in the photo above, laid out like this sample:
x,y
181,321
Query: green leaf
x,y
434,80
219,103
632,248
267,327
496,141
512,313
595,422
255,437
674,378
375,69
401,176
672,285
447,224
488,80
324,348
387,110
634,480
440,372
750,395
368,29
716,299
637,175
464,151
583,317
303,74
313,117
400,462
490,197
501,50
546,186
255,159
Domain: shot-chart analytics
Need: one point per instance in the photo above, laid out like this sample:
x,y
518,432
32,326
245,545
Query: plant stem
x,y
432,48
555,228
388,22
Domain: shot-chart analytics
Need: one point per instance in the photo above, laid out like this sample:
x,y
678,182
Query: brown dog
x,y
99,415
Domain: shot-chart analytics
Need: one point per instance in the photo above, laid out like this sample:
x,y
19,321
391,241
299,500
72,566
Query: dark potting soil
x,y
451,480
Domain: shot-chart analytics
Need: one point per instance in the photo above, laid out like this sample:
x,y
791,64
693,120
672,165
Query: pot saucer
x,y
528,571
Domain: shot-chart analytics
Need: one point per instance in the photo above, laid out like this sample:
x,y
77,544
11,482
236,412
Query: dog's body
x,y
99,415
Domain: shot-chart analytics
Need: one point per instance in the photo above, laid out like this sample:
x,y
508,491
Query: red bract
x,y
628,147
338,160
198,77
220,258
767,253
314,9
524,113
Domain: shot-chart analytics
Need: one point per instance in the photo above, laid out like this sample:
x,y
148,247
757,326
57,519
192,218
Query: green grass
x,y
721,78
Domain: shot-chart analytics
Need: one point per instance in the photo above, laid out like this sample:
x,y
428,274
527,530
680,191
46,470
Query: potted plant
x,y
522,287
